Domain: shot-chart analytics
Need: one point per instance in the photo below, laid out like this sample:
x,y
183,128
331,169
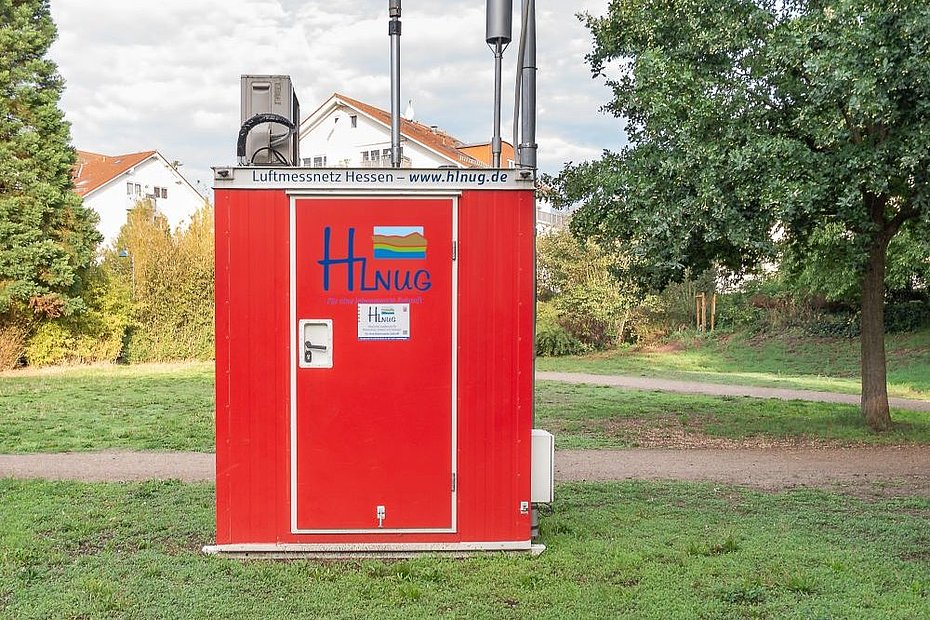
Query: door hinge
x,y
455,250
453,483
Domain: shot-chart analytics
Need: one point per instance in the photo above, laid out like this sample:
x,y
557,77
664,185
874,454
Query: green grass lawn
x,y
826,364
632,549
589,416
170,407
147,407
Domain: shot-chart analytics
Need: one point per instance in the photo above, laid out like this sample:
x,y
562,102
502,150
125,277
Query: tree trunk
x,y
872,328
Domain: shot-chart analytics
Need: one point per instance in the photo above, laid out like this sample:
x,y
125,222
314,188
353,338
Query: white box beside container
x,y
543,476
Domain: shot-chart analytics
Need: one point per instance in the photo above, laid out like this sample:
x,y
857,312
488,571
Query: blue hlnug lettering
x,y
380,279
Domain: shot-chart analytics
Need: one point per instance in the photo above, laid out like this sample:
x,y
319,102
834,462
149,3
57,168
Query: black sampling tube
x,y
251,124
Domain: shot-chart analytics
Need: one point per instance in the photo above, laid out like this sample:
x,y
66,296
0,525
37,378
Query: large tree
x,y
47,237
754,120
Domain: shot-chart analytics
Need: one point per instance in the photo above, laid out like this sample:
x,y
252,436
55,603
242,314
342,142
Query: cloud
x,y
165,74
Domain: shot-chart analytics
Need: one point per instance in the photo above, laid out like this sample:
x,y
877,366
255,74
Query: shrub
x,y
907,316
579,280
171,278
552,339
12,345
95,335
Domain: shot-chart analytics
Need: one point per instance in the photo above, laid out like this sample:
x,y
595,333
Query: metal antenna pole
x,y
497,35
528,144
496,143
394,33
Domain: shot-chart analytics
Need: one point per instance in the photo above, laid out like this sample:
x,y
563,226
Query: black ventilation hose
x,y
251,124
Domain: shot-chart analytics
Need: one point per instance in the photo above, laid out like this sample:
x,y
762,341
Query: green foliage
x,y
170,277
826,264
907,316
744,116
674,309
777,305
95,335
13,339
47,237
590,302
579,279
748,118
551,338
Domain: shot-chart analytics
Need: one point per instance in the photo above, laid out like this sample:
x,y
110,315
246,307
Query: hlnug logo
x,y
389,243
405,242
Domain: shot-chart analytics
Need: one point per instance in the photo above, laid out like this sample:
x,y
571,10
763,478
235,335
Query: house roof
x,y
94,170
483,153
431,137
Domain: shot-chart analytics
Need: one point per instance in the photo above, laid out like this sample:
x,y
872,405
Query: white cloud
x,y
165,74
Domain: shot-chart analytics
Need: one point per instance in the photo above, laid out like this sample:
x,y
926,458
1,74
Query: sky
x,y
165,75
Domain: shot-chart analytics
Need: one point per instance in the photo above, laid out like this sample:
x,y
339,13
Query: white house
x,y
112,184
346,133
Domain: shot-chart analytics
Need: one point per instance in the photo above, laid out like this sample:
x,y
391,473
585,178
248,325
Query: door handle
x,y
315,343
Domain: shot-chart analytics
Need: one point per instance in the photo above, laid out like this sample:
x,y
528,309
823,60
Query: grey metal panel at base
x,y
269,143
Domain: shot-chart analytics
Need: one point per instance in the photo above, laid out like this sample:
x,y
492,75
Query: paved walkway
x,y
720,389
886,469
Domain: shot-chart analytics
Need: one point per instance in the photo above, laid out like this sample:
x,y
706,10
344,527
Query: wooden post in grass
x,y
700,311
713,311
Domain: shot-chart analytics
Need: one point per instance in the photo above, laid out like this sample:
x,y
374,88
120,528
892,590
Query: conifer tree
x,y
47,236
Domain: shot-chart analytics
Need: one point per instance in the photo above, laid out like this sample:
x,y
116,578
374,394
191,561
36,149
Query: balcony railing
x,y
385,162
548,221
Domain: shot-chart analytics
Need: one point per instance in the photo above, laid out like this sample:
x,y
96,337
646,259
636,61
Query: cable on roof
x,y
251,124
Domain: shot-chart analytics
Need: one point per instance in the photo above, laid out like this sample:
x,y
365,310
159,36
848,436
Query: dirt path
x,y
110,466
892,470
720,389
872,471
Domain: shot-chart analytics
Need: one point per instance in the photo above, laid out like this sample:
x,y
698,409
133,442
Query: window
x,y
164,192
158,192
138,189
354,120
386,154
319,162
129,189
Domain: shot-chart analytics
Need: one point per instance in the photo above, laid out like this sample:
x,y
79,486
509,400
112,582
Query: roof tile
x,y
431,137
94,170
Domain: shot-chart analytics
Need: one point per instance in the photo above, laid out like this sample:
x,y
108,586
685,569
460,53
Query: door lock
x,y
309,348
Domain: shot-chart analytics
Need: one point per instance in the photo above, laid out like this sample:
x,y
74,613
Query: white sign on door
x,y
384,321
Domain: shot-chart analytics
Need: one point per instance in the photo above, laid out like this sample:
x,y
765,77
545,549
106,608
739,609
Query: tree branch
x,y
907,212
856,134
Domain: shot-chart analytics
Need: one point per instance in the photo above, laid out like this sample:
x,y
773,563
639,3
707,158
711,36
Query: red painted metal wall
x,y
495,267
